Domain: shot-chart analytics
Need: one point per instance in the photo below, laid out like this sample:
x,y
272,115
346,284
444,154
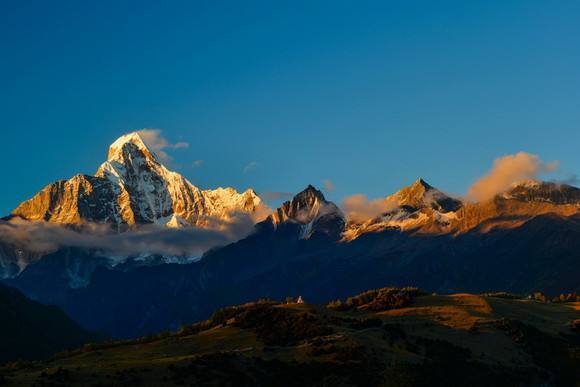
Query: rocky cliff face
x,y
132,187
82,197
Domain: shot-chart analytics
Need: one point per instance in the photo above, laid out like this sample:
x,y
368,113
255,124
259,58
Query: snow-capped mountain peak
x,y
417,206
303,208
123,145
312,212
422,195
132,187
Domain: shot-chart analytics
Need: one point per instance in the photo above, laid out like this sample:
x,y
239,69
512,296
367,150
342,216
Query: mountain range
x,y
524,239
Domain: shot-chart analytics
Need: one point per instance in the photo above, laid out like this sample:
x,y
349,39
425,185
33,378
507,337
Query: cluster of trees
x,y
564,297
378,299
280,326
537,296
272,324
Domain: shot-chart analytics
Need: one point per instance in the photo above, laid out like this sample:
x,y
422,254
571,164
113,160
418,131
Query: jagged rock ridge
x,y
312,212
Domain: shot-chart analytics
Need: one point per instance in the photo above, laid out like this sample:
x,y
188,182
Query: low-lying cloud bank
x,y
44,237
506,171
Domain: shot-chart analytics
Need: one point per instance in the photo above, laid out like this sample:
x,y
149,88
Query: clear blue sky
x,y
369,95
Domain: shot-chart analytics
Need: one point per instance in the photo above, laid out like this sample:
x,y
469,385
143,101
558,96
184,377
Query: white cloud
x,y
154,140
506,171
44,237
359,208
250,166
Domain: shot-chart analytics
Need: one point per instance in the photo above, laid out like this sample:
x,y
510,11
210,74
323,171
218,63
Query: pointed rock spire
x,y
309,195
312,212
420,194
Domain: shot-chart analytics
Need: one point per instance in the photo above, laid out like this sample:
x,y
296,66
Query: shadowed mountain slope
x,y
29,330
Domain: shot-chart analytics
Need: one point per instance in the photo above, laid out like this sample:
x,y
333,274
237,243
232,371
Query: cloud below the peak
x,y
159,144
506,171
359,207
44,237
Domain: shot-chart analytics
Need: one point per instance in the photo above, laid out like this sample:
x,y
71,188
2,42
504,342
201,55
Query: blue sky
x,y
370,95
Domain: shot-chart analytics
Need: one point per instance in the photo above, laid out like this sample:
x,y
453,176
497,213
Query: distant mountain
x,y
422,195
312,213
418,207
421,208
542,191
132,187
29,330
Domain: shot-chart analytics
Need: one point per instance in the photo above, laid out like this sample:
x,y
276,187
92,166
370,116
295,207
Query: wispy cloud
x,y
197,163
328,185
506,171
250,166
154,140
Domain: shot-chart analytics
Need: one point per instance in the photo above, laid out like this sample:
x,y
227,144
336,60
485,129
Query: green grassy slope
x,y
389,338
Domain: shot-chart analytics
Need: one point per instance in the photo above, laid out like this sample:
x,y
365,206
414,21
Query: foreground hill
x,y
387,337
29,330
